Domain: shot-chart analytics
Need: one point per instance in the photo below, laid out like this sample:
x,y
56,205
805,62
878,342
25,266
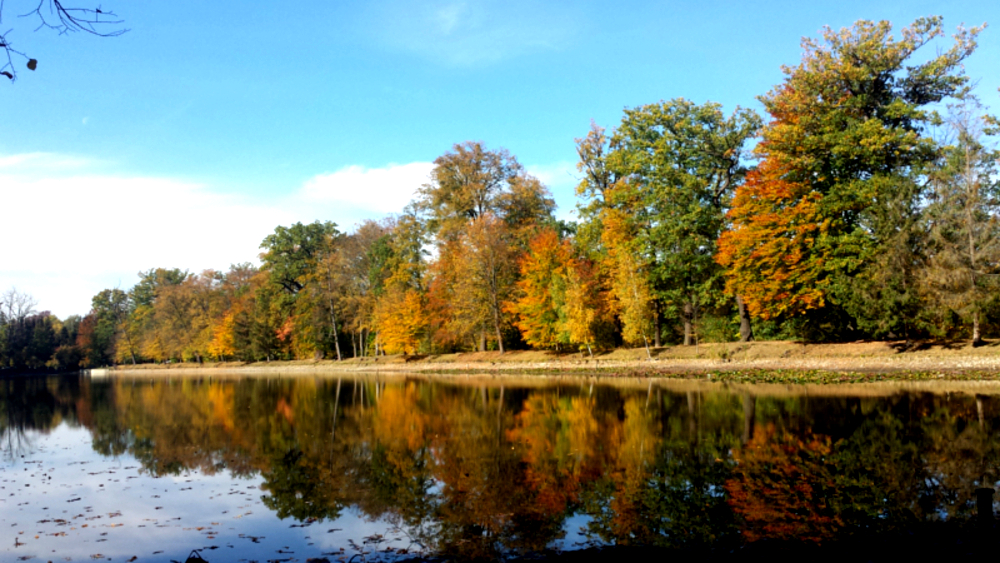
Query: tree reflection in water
x,y
32,404
484,470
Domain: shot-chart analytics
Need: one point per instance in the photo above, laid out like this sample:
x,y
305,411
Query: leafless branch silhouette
x,y
56,16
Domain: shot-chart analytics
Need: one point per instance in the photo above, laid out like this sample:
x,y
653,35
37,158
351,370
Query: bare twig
x,y
54,15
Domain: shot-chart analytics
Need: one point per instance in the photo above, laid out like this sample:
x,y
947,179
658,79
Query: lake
x,y
377,469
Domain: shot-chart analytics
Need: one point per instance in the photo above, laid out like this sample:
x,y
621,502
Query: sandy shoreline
x,y
874,357
766,368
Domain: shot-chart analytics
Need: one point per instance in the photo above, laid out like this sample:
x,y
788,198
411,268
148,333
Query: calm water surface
x,y
284,469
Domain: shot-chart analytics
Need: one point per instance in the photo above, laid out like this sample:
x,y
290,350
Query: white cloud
x,y
19,159
379,190
43,161
72,228
466,33
67,238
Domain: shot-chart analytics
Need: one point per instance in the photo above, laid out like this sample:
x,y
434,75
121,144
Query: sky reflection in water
x,y
292,469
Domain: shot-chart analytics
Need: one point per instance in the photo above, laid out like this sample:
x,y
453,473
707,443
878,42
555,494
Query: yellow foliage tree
x,y
629,285
401,318
586,306
223,344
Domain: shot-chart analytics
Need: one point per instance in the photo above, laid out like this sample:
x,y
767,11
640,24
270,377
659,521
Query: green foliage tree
x,y
145,325
963,254
291,252
678,164
15,308
108,314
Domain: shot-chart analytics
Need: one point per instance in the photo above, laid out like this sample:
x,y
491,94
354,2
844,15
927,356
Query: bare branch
x,y
62,19
15,306
54,15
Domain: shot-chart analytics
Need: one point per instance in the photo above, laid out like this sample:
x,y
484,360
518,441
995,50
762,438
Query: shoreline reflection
x,y
477,471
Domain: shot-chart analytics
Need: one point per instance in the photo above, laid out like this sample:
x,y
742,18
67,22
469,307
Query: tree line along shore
x,y
863,205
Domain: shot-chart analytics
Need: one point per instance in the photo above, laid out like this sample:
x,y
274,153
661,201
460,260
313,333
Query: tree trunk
x,y
977,338
749,415
688,314
336,407
496,324
482,340
656,326
746,330
333,323
692,419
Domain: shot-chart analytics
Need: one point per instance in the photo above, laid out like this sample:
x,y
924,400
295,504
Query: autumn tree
x,y
185,313
361,269
401,315
267,330
401,318
486,271
298,258
843,157
587,317
772,273
465,184
143,328
482,208
541,303
102,330
231,293
450,326
963,253
628,279
677,164
595,183
223,342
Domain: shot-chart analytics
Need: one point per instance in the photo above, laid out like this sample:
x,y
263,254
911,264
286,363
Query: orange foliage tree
x,y
779,487
840,180
540,307
768,252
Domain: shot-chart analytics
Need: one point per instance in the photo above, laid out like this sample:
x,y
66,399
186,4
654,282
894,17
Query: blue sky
x,y
185,141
